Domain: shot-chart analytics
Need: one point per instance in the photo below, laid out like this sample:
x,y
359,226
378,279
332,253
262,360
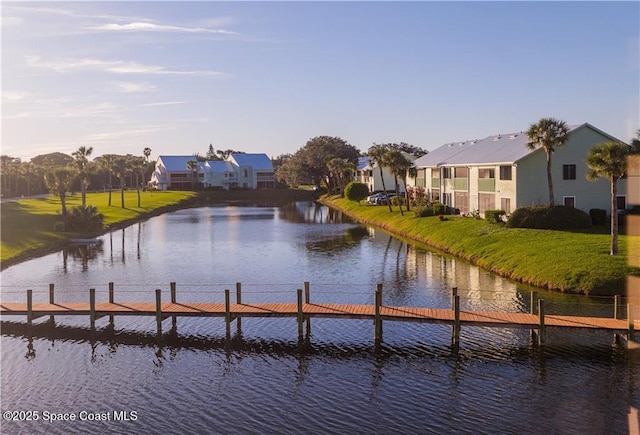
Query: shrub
x,y
85,219
438,208
495,216
598,216
559,217
58,227
356,191
423,211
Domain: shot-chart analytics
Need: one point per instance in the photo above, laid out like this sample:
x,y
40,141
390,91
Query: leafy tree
x,y
635,144
548,133
609,160
409,149
81,161
59,181
211,153
52,159
356,191
138,166
399,166
340,171
121,169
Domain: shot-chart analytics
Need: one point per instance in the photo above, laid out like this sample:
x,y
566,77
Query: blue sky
x,y
268,76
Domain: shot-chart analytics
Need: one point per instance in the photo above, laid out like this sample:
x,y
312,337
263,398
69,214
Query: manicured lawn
x,y
563,260
27,225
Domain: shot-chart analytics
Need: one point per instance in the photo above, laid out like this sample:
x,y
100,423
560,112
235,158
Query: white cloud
x,y
11,21
163,103
151,27
113,66
129,87
14,96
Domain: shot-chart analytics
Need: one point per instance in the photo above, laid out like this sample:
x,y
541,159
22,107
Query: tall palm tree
x,y
107,162
399,166
609,160
339,170
146,152
548,133
81,161
377,154
138,166
58,181
192,165
121,169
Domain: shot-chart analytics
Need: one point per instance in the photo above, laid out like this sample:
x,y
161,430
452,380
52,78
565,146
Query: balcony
x,y
486,184
435,182
460,184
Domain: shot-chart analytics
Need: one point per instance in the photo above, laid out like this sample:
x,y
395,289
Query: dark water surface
x,y
262,380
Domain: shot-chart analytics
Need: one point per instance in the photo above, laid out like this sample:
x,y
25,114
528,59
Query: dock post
x,y
456,321
377,323
239,302
29,306
227,312
617,301
159,311
111,300
534,295
300,316
541,331
51,299
307,300
631,334
92,307
174,299
454,293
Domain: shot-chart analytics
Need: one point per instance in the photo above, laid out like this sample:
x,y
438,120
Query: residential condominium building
x,y
238,171
501,172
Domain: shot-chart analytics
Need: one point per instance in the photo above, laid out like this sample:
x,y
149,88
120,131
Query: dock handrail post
x,y
111,300
239,301
631,334
456,320
300,315
307,293
534,295
159,311
377,334
617,301
541,330
174,299
51,298
92,307
227,312
29,306
454,293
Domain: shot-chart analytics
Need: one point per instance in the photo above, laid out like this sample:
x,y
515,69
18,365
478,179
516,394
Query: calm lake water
x,y
262,380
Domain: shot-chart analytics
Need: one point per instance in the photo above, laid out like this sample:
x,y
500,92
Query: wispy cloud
x,y
11,21
130,87
113,66
14,95
152,27
162,103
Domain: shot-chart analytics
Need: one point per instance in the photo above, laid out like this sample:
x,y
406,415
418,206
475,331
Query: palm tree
x,y
377,154
121,169
548,133
59,181
399,166
339,170
138,165
107,162
81,160
146,152
609,160
192,165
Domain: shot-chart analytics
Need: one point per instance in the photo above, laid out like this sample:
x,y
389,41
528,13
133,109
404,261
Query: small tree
x,y
59,181
356,191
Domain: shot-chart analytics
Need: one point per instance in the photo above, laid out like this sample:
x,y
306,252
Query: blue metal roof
x,y
256,161
176,163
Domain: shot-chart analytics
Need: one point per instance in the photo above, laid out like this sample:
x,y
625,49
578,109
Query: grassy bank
x,y
27,225
577,262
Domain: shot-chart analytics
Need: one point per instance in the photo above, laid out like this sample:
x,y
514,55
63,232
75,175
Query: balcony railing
x,y
460,184
435,182
486,184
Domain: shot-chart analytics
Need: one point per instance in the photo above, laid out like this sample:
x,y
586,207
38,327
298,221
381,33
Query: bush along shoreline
x,y
570,261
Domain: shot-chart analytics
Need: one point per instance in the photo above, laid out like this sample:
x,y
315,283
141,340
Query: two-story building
x,y
238,171
501,172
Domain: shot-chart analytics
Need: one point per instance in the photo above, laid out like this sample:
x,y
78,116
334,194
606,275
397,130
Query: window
x,y
568,172
486,201
486,173
246,173
461,172
447,199
569,201
621,202
446,172
505,172
505,204
435,195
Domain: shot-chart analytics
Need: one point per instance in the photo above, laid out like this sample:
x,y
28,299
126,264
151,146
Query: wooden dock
x,y
304,310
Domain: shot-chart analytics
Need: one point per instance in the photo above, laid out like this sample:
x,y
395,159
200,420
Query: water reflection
x,y
80,253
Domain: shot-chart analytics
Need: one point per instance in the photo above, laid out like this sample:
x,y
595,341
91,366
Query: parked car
x,y
384,200
373,199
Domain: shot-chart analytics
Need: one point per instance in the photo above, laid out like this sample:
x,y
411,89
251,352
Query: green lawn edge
x,y
565,261
26,229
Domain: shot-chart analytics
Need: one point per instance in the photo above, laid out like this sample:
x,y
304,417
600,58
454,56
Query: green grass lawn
x,y
572,261
27,225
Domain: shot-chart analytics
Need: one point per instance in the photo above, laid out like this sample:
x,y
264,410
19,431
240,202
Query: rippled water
x,y
263,380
